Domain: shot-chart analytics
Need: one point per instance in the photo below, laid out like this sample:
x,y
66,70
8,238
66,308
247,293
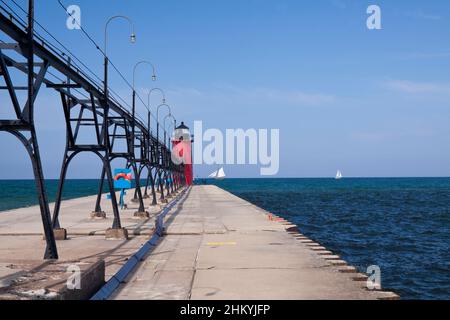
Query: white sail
x,y
213,175
338,175
218,174
221,174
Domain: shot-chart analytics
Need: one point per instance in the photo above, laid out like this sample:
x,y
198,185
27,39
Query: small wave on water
x,y
401,225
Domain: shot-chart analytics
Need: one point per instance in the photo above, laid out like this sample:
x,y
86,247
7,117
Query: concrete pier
x,y
214,246
218,246
22,245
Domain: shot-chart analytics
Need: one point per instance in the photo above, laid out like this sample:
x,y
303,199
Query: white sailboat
x,y
339,175
218,175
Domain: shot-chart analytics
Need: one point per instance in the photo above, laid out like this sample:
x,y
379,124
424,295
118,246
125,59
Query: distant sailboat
x,y
218,175
339,175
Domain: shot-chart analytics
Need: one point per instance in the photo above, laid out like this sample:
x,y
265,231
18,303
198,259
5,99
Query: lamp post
x,y
169,141
133,129
134,95
132,40
169,182
170,128
148,102
174,125
157,141
157,118
106,111
149,116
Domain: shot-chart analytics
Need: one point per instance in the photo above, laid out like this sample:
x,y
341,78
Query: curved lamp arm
x,y
168,116
140,63
132,36
171,126
156,89
162,105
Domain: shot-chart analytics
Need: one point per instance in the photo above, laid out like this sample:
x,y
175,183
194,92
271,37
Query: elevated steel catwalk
x,y
96,109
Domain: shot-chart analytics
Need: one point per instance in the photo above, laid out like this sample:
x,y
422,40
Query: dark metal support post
x,y
152,181
62,179
98,207
161,186
116,223
146,186
138,188
51,250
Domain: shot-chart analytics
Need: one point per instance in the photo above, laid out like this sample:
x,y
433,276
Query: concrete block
x,y
347,269
92,279
324,253
337,262
331,257
60,234
116,234
293,230
360,277
389,296
317,248
54,280
98,215
142,215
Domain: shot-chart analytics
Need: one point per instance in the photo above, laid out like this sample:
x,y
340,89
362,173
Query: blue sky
x,y
368,102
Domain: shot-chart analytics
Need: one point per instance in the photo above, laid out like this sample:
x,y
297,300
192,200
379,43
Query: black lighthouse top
x,y
182,126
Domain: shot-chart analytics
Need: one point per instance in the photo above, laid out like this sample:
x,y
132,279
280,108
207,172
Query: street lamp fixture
x,y
150,92
141,63
132,39
133,111
132,35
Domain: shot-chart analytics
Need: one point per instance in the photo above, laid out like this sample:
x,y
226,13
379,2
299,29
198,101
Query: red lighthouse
x,y
182,147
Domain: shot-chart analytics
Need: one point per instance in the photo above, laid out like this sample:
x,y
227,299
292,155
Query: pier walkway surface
x,y
218,246
215,246
22,245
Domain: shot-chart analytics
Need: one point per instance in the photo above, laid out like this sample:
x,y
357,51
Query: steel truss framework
x,y
107,120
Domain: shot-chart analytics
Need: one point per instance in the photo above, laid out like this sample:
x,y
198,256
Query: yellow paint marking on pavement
x,y
230,243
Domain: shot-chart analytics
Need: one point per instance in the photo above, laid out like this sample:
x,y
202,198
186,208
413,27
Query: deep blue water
x,y
22,193
401,225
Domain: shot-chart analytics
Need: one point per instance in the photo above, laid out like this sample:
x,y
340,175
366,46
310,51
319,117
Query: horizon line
x,y
318,177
